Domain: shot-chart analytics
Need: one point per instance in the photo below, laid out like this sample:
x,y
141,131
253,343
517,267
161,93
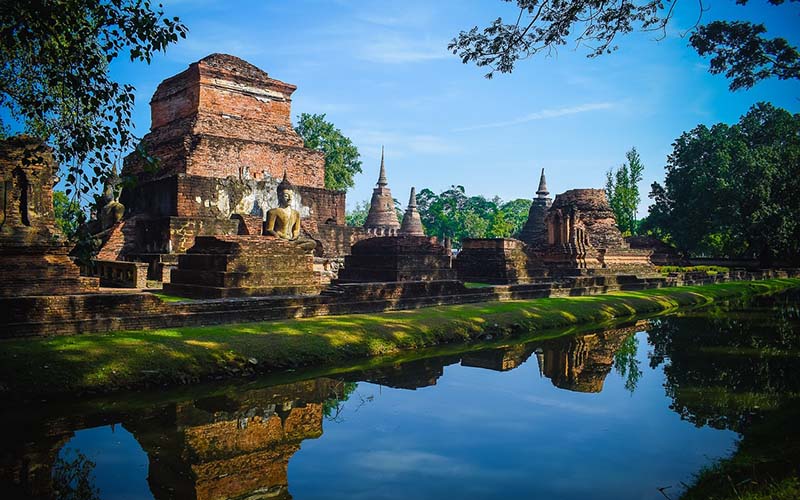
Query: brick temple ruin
x,y
227,202
222,133
575,234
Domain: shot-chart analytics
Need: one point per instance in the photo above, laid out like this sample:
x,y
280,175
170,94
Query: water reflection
x,y
720,369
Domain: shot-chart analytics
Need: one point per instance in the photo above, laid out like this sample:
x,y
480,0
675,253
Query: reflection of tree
x,y
332,408
626,364
74,479
725,370
737,369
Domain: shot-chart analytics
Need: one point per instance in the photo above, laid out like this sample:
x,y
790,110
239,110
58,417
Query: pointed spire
x,y
382,216
412,200
542,192
412,224
382,177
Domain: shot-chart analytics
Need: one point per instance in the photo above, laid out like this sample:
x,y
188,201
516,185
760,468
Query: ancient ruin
x,y
534,232
237,266
574,234
412,224
397,258
34,256
382,217
221,140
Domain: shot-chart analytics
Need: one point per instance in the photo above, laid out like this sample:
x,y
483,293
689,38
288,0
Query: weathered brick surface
x,y
33,252
117,273
236,266
496,261
249,225
225,117
397,258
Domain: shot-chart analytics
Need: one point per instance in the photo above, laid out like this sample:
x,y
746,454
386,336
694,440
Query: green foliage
x,y
358,216
622,191
68,214
453,214
341,155
54,75
731,191
736,48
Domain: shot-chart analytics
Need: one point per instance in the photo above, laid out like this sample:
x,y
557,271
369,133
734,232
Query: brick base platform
x,y
92,313
242,266
397,258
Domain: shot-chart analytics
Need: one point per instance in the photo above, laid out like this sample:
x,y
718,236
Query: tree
x,y
516,213
731,191
453,214
54,75
738,49
622,190
358,216
341,155
68,214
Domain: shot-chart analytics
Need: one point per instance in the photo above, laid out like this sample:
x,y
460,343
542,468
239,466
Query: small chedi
x,y
412,223
33,253
222,135
382,217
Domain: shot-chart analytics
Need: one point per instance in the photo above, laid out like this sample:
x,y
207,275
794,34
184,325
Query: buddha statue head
x,y
285,192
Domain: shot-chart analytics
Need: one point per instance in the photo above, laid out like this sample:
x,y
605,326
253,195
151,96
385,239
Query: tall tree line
x,y
734,190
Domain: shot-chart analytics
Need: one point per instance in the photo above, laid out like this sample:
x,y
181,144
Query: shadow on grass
x,y
106,362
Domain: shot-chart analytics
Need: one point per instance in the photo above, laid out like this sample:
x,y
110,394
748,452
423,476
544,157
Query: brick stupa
x,y
412,224
382,217
534,233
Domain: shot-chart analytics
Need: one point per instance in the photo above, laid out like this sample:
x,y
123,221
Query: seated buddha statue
x,y
284,221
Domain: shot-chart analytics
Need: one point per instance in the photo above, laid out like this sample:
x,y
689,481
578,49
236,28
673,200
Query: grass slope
x,y
109,362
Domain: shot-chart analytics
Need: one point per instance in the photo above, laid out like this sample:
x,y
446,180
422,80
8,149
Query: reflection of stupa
x,y
503,359
410,375
581,363
233,448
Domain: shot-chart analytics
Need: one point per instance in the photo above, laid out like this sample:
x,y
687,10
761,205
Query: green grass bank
x,y
99,363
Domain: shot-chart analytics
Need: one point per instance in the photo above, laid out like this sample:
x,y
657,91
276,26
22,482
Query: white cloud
x,y
541,115
398,144
400,50
396,462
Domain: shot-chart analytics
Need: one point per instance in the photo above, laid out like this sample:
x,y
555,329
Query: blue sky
x,y
382,74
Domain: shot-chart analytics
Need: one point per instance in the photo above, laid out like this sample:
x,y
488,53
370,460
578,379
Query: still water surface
x,y
626,413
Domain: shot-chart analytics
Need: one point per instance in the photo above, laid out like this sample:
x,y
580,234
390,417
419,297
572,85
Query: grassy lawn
x,y
113,361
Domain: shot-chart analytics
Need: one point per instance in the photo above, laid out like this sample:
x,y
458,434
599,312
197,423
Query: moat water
x,y
631,412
